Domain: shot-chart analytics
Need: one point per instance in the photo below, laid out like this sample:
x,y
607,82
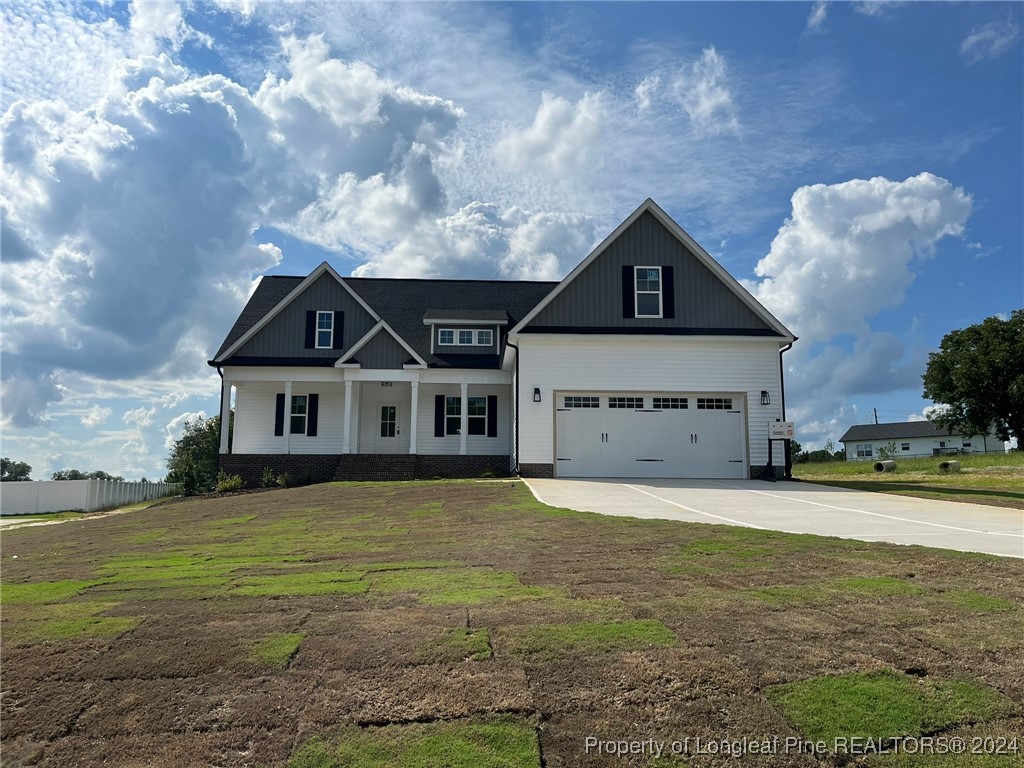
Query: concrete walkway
x,y
798,508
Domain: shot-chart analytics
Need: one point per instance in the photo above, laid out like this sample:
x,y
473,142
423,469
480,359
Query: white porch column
x,y
225,415
414,414
287,417
464,419
347,432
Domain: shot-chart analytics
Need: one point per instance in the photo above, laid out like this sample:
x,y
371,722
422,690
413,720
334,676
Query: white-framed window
x,y
904,446
453,415
446,336
625,402
714,403
466,338
477,420
671,403
648,291
324,330
582,401
967,445
864,451
484,338
299,411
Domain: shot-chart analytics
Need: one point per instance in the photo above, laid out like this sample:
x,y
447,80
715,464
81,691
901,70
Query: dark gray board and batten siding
x,y
383,352
594,299
285,335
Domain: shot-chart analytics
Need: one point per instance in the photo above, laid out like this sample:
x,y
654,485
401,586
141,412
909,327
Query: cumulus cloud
x,y
480,241
816,21
989,41
702,89
560,139
155,23
140,417
95,416
846,251
175,428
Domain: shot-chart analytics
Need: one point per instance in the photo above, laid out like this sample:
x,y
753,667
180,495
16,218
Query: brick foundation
x,y
536,470
428,467
375,466
323,468
250,466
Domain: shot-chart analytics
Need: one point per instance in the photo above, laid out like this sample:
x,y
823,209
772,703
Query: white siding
x,y
669,364
476,445
372,397
255,404
925,446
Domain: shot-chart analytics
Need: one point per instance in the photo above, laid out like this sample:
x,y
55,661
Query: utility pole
x,y
876,414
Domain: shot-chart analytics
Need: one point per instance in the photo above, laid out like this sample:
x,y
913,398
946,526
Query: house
x,y
867,442
647,360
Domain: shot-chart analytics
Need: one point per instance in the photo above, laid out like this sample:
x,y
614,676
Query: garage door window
x,y
577,401
625,402
714,403
671,403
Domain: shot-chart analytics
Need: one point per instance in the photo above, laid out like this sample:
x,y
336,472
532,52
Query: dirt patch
x,y
448,603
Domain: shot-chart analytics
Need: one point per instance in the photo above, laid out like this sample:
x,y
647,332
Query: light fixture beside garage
x,y
536,394
765,397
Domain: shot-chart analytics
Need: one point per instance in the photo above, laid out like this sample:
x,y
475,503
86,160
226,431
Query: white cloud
x,y
175,428
560,139
645,90
96,415
816,21
989,41
703,91
875,8
846,251
140,417
156,22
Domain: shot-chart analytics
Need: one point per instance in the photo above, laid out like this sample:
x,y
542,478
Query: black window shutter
x,y
339,330
438,415
279,416
668,292
628,291
312,411
492,415
310,328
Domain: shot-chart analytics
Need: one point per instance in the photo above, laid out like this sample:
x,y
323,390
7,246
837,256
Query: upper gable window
x,y
484,338
648,291
446,336
324,330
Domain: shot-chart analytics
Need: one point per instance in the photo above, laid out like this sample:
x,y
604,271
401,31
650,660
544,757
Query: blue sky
x,y
857,166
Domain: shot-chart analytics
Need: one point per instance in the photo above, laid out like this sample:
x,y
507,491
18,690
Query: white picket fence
x,y
31,497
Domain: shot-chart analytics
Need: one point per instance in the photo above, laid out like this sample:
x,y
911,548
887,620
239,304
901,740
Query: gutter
x,y
220,421
782,388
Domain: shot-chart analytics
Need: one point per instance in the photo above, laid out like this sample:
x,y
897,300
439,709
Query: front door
x,y
387,428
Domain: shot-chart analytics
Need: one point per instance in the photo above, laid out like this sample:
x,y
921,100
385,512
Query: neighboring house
x,y
647,360
907,439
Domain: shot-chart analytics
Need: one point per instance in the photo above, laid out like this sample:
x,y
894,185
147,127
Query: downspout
x,y
782,388
220,421
515,394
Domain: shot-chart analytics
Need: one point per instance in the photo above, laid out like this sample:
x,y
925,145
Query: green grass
x,y
884,705
68,629
277,650
465,586
42,591
828,591
460,644
507,742
996,463
976,602
295,584
556,640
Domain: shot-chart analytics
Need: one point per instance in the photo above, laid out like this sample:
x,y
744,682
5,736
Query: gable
x,y
381,351
594,299
285,334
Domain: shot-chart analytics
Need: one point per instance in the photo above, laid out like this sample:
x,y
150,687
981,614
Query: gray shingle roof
x,y
477,315
894,431
403,303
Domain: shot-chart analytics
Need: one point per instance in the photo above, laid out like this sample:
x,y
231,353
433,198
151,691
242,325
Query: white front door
x,y
387,428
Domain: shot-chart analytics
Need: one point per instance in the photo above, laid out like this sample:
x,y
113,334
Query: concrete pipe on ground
x,y
946,467
885,466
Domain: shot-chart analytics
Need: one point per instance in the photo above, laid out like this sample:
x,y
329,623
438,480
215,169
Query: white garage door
x,y
647,434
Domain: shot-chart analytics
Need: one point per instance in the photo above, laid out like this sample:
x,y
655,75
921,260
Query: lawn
x,y
996,479
465,624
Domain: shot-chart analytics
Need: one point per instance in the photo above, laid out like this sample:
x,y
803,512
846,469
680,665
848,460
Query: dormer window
x,y
484,338
324,330
446,336
648,291
465,338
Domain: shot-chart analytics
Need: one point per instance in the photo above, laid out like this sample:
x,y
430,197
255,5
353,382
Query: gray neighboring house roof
x,y
403,304
895,431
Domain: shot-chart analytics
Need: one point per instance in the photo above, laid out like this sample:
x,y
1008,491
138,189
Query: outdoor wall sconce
x,y
765,397
536,394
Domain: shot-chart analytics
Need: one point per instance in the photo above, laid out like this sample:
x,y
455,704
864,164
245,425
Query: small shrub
x,y
269,479
226,482
288,480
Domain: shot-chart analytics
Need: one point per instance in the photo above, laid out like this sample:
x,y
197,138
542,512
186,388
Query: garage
x,y
649,434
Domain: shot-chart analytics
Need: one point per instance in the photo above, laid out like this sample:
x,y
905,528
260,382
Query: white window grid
x,y
643,278
714,403
625,402
324,329
582,401
298,415
671,403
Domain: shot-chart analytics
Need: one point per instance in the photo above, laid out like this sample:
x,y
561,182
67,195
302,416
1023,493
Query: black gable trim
x,y
652,331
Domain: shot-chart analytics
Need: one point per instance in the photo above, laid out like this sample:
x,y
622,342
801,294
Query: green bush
x,y
226,482
269,479
288,480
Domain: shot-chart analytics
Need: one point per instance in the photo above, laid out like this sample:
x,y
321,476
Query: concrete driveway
x,y
798,508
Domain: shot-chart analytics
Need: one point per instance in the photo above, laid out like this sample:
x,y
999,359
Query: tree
x,y
978,373
76,474
13,471
193,460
